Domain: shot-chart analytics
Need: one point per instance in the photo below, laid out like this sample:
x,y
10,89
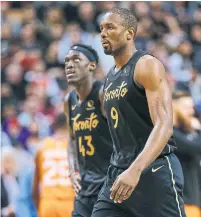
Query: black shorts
x,y
83,206
158,194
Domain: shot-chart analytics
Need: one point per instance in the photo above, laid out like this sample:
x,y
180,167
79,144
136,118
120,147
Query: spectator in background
x,y
175,34
180,65
34,141
5,140
14,75
196,42
6,208
87,17
6,38
160,27
51,57
23,158
33,109
8,111
16,132
28,38
54,15
55,32
72,35
187,134
195,89
9,185
7,96
25,205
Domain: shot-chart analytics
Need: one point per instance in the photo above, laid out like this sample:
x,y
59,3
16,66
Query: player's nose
x,y
103,34
70,65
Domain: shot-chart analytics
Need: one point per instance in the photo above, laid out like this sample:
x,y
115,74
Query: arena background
x,y
35,37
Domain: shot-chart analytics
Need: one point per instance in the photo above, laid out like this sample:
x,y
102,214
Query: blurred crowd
x,y
35,37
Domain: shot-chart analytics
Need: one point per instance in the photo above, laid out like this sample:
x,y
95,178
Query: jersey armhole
x,y
139,87
69,110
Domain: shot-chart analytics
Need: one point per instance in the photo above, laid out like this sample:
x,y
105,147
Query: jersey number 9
x,y
114,116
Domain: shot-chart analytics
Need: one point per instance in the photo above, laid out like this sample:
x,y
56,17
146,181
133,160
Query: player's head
x,y
118,29
60,122
80,62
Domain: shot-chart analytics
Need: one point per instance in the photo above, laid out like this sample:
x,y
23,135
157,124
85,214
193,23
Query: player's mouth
x,y
105,43
70,73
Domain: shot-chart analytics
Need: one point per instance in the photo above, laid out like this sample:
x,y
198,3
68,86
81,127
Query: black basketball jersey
x,y
93,140
128,114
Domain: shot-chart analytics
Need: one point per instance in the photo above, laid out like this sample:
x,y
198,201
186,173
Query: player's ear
x,y
130,34
92,66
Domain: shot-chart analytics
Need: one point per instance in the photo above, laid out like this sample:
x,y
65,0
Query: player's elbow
x,y
168,127
170,130
165,126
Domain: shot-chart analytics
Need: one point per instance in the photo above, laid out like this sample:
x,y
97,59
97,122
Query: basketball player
x,y
145,177
52,188
90,144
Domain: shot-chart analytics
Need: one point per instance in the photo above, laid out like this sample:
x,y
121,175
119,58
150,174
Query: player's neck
x,y
124,56
84,89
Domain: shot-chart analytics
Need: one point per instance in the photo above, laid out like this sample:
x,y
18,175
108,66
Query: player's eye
x,y
77,60
110,27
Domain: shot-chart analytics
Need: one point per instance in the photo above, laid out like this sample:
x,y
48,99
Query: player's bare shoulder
x,y
149,72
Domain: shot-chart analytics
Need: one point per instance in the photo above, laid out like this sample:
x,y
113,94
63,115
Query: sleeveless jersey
x,y
128,114
93,140
54,170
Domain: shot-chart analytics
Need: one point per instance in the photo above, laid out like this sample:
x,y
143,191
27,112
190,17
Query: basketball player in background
x,y
90,144
145,177
52,188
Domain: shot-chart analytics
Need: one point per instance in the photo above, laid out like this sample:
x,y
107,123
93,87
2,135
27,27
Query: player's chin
x,y
72,81
107,52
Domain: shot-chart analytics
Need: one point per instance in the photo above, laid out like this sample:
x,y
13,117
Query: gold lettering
x,y
123,92
88,124
120,91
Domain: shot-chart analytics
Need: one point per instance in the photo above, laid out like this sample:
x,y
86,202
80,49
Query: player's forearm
x,y
155,144
72,156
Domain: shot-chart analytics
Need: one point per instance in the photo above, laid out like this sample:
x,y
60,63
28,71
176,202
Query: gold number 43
x,y
114,116
90,148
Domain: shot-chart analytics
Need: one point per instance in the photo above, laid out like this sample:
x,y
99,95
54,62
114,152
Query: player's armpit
x,y
101,99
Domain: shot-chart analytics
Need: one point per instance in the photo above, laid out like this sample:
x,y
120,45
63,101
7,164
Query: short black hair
x,y
88,47
129,20
60,121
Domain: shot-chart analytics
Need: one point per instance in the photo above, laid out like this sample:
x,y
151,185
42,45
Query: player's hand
x,y
124,185
76,180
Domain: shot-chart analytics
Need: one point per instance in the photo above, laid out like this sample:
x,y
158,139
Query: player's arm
x,y
101,98
72,151
150,74
36,180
